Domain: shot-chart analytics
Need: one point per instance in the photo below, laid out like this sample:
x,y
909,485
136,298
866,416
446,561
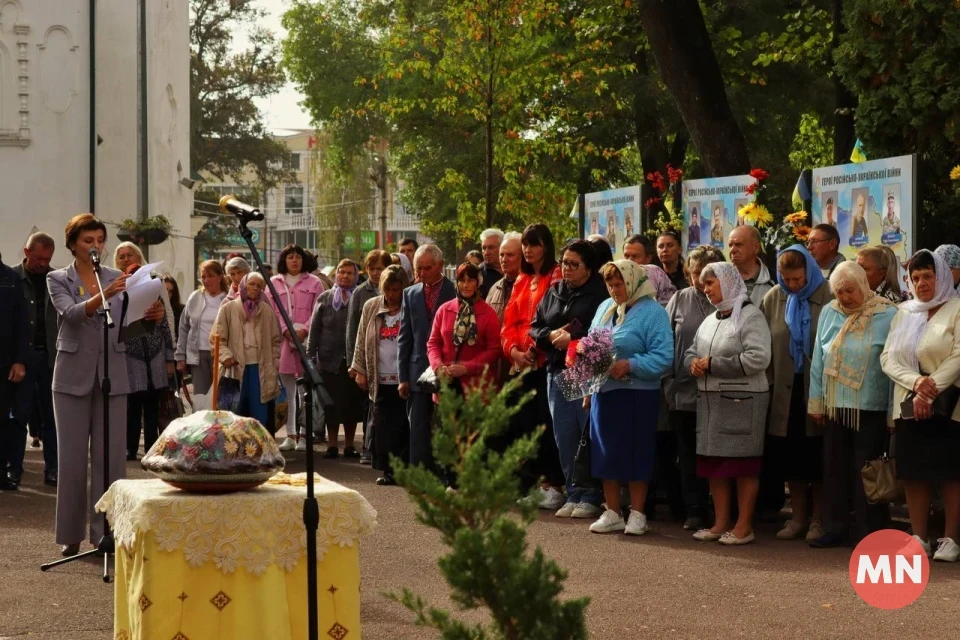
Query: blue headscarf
x,y
797,315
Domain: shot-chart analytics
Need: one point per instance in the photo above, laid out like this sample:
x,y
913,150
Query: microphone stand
x,y
105,546
311,380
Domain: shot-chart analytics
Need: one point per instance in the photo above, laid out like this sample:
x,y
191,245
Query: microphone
x,y
95,257
246,212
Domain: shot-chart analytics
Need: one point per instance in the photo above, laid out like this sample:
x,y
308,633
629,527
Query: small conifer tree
x,y
489,564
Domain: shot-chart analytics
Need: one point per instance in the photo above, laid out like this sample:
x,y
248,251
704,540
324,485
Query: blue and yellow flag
x,y
801,193
858,155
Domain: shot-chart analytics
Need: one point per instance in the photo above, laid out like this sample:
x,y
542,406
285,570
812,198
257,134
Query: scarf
x,y
845,368
638,286
249,305
733,289
905,338
405,263
465,327
338,298
661,282
797,315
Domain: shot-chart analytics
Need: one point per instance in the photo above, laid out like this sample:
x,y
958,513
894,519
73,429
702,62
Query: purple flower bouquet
x,y
588,364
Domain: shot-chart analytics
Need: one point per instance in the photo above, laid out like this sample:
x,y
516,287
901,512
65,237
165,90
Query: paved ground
x,y
660,585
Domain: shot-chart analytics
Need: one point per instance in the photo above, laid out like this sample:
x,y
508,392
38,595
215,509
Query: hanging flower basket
x,y
149,232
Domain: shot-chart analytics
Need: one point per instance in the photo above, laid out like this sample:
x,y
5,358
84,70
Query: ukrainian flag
x,y
858,155
801,193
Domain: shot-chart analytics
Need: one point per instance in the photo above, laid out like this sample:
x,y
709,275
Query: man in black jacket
x,y
34,402
14,349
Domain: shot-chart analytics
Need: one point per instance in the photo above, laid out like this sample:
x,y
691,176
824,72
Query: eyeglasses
x,y
570,264
810,243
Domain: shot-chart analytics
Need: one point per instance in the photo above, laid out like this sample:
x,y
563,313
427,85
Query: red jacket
x,y
484,353
520,311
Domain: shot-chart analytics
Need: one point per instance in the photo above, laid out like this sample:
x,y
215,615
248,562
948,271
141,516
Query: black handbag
x,y
428,381
582,475
943,405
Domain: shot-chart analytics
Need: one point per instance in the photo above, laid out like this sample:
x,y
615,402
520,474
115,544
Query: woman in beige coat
x,y
376,369
795,446
250,349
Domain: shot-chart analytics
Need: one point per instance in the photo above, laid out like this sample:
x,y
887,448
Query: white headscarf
x,y
405,263
732,287
905,339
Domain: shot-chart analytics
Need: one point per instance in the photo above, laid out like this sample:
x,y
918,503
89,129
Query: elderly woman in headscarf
x,y
951,255
729,357
661,282
404,261
922,357
623,413
250,348
850,394
327,346
792,309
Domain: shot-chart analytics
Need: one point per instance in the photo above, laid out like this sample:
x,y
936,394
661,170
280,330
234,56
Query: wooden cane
x,y
216,369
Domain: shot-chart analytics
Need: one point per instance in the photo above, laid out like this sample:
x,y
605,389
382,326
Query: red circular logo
x,y
889,569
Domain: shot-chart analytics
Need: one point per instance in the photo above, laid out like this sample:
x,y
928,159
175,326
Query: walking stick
x,y
216,370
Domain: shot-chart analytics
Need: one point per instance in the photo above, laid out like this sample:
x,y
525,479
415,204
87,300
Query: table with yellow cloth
x,y
195,567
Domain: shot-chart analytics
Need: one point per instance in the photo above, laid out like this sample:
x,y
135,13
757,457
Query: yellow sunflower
x,y
801,233
762,216
796,218
955,173
747,211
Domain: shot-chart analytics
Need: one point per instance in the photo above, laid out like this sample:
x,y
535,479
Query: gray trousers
x,y
79,430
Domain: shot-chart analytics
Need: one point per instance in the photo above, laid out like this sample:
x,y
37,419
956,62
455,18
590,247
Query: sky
x,y
282,110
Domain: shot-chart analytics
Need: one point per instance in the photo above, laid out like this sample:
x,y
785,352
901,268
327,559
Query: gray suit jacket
x,y
79,338
415,327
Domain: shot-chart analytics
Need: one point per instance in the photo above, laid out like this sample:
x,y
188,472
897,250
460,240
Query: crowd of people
x,y
733,382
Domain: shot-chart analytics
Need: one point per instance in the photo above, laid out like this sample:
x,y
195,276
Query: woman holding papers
x,y
77,379
150,366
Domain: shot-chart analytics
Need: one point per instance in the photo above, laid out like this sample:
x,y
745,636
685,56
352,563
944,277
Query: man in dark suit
x,y
34,402
420,304
14,351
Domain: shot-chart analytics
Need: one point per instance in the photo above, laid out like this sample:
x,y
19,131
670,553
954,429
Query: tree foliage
x,y
900,60
228,136
489,564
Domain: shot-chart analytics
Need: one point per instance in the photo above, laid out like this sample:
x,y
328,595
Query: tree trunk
x,y
844,135
681,46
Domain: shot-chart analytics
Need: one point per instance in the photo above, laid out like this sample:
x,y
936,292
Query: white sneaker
x,y
926,545
815,531
566,511
947,550
551,499
636,524
608,522
302,444
586,510
288,445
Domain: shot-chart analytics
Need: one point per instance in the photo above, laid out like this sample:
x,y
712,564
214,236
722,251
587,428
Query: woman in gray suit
x,y
77,397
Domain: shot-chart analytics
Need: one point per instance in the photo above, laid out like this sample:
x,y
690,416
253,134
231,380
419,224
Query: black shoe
x,y
50,478
693,523
830,541
386,481
13,480
332,453
5,484
131,457
70,550
35,443
350,452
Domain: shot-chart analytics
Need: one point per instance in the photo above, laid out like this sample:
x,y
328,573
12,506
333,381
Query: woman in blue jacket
x,y
623,414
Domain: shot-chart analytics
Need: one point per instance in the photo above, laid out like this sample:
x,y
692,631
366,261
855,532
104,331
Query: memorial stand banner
x,y
710,210
614,214
870,203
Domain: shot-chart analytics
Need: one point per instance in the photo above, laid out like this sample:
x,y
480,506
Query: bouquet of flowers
x,y
793,230
588,364
756,211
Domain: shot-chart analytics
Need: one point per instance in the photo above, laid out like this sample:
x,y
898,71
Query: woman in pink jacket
x,y
464,344
298,292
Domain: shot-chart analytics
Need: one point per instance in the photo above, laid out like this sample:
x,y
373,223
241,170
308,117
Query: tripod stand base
x,y
105,547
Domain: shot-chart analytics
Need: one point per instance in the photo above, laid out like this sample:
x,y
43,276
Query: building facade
x,y
73,135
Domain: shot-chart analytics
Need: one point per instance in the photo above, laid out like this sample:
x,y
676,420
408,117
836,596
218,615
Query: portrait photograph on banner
x,y
870,203
613,214
710,210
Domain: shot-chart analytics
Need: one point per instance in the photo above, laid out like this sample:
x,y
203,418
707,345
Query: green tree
x,y
909,100
227,133
489,564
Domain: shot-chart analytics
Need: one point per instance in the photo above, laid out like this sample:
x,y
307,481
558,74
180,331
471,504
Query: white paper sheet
x,y
140,297
143,273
